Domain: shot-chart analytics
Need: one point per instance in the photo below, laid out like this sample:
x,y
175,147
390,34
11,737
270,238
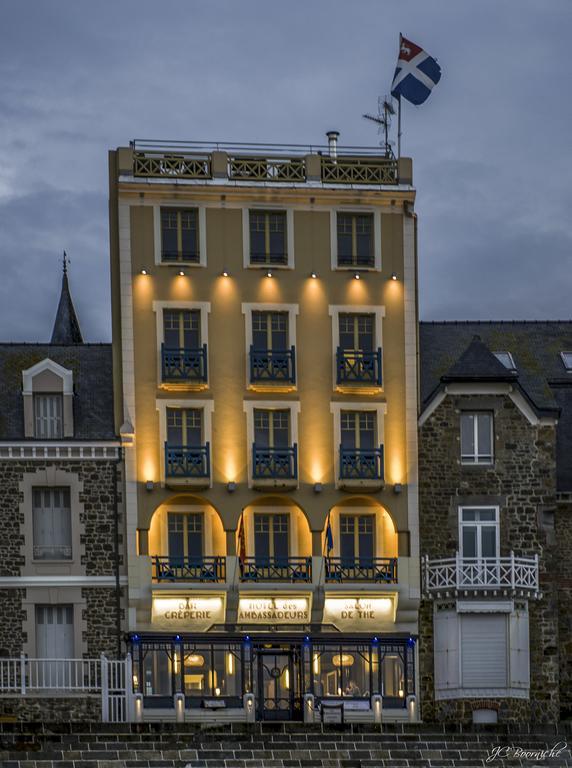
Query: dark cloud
x,y
490,148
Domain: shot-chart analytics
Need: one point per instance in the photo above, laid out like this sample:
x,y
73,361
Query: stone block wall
x,y
563,548
522,481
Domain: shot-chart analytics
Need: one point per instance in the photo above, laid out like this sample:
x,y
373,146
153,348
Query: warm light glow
x,y
393,276
357,276
175,662
313,275
401,693
316,664
181,273
317,471
230,663
343,660
269,274
148,469
287,679
144,271
194,660
357,613
339,691
217,691
197,613
225,273
275,610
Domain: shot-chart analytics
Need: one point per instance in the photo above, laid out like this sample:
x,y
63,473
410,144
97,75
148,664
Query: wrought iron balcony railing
x,y
355,366
187,461
451,575
184,365
273,365
380,570
200,569
361,463
291,569
275,463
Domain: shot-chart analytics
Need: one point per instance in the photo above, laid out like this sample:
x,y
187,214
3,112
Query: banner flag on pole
x,y
416,73
329,538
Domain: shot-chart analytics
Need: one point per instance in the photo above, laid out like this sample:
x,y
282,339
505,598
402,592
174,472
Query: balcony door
x,y
270,331
184,427
356,332
357,540
186,537
358,430
271,539
55,644
271,429
182,328
479,537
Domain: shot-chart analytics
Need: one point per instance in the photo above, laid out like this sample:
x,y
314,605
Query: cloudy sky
x,y
491,147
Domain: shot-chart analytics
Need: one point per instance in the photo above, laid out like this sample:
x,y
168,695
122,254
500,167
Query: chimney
x,y
333,143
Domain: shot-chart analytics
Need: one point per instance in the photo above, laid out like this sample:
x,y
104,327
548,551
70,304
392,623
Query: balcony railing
x,y
380,570
198,569
291,569
361,463
184,365
187,461
358,367
458,574
275,463
266,168
273,365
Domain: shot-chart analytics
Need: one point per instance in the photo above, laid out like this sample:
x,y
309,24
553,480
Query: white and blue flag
x,y
416,73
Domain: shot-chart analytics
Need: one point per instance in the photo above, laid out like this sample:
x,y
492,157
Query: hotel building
x,y
264,308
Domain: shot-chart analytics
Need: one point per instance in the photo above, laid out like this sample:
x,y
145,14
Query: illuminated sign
x,y
192,613
273,610
358,613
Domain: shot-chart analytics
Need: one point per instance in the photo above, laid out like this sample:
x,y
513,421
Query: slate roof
x,y
448,352
66,326
93,386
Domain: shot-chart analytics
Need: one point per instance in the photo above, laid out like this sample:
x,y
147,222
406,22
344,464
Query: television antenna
x,y
385,111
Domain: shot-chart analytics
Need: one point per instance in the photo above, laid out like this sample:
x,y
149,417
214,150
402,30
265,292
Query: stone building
x,y
495,482
61,562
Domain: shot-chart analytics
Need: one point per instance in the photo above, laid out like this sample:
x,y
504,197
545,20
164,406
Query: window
x,y
185,535
479,536
506,359
271,538
270,331
179,235
271,428
358,430
48,416
357,540
51,516
567,360
268,240
343,671
355,240
182,328
184,426
356,332
476,438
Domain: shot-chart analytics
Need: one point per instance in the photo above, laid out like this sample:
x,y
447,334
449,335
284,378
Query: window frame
x,y
66,490
564,354
376,239
158,235
510,359
474,460
289,233
249,406
336,408
335,310
247,310
479,524
159,307
161,405
56,397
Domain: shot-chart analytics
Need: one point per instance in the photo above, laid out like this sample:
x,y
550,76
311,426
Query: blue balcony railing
x,y
187,461
275,463
184,365
361,463
357,367
205,569
273,365
291,569
380,570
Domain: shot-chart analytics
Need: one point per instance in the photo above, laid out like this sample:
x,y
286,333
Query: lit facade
x,y
265,370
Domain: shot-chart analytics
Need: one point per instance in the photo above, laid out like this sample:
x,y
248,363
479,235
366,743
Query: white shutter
x,y
54,631
484,651
446,649
519,650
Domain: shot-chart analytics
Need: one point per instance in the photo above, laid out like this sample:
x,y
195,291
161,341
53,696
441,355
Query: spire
x,y
66,326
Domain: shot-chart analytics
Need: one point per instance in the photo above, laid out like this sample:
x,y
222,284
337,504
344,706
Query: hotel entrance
x,y
278,685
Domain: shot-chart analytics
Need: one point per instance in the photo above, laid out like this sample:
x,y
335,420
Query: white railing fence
x,y
111,679
515,574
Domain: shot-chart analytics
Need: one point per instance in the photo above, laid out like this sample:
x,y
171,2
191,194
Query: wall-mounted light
x,y
269,274
357,276
397,488
318,487
231,486
144,271
394,275
149,485
313,275
182,272
225,273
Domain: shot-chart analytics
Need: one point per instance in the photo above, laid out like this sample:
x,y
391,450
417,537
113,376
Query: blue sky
x,y
491,147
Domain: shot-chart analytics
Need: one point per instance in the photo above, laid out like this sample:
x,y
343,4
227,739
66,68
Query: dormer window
x,y
48,401
506,359
48,416
567,360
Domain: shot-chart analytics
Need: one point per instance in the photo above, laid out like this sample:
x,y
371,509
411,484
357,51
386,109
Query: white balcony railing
x,y
461,575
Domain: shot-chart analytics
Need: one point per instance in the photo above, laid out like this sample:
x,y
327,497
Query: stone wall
x,y
84,708
100,616
563,540
523,483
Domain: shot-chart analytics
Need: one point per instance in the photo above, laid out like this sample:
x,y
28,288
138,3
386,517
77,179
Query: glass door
x,y
278,687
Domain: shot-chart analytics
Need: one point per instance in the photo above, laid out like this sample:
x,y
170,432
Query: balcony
x,y
272,366
452,576
270,163
275,466
184,366
292,569
188,463
196,569
358,367
361,467
376,570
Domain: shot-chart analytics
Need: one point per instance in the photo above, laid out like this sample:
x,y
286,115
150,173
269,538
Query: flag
x,y
416,73
241,542
329,537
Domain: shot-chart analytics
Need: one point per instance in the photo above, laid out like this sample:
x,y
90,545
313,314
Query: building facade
x,y
62,569
265,362
495,483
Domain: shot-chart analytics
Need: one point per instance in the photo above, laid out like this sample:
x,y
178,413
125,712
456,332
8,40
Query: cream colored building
x,y
265,363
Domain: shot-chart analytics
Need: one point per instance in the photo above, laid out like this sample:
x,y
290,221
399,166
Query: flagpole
x,y
399,126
